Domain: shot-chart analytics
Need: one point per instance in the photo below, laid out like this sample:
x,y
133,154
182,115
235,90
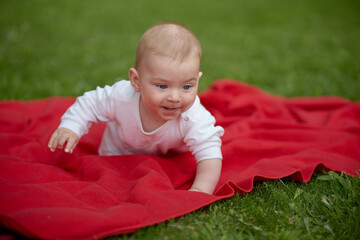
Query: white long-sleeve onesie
x,y
118,106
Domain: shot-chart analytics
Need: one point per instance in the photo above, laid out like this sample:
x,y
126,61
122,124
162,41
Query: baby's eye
x,y
186,87
161,86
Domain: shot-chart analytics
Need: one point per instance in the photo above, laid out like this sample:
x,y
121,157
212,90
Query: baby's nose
x,y
174,96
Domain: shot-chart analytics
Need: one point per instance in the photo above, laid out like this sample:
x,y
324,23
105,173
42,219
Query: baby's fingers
x,y
62,137
53,142
71,144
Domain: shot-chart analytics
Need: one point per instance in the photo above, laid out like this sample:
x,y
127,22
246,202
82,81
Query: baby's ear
x,y
134,79
200,74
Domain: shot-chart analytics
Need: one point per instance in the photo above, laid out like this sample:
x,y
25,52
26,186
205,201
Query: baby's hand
x,y
62,136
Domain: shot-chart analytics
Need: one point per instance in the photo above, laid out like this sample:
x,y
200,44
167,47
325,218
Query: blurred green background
x,y
291,48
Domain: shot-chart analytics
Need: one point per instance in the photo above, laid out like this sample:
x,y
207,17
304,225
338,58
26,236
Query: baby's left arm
x,y
207,175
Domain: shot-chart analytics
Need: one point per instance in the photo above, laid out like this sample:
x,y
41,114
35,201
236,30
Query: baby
x,y
158,110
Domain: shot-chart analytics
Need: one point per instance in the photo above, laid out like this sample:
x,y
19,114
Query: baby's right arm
x,y
89,108
62,136
93,107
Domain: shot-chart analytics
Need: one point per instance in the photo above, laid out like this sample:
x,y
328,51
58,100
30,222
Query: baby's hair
x,y
169,39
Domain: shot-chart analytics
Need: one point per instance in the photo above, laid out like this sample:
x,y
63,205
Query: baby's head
x,y
166,73
168,39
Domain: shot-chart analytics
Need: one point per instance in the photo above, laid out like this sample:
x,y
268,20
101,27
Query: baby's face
x,y
168,88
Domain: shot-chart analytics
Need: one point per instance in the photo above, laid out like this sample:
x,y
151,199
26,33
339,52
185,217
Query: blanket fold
x,y
85,196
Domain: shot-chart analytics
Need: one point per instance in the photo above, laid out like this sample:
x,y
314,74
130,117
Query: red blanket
x,y
83,195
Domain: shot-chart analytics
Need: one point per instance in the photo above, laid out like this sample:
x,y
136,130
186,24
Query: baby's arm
x,y
207,175
93,107
62,136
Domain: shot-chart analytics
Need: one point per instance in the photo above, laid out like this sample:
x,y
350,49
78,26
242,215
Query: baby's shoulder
x,y
122,90
197,113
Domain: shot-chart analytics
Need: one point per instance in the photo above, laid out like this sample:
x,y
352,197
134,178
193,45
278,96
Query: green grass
x,y
289,48
325,208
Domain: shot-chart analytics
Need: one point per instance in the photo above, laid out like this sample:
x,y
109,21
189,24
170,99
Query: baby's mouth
x,y
170,109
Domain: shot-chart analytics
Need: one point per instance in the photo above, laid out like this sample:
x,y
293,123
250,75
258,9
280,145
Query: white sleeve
x,y
201,135
93,107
